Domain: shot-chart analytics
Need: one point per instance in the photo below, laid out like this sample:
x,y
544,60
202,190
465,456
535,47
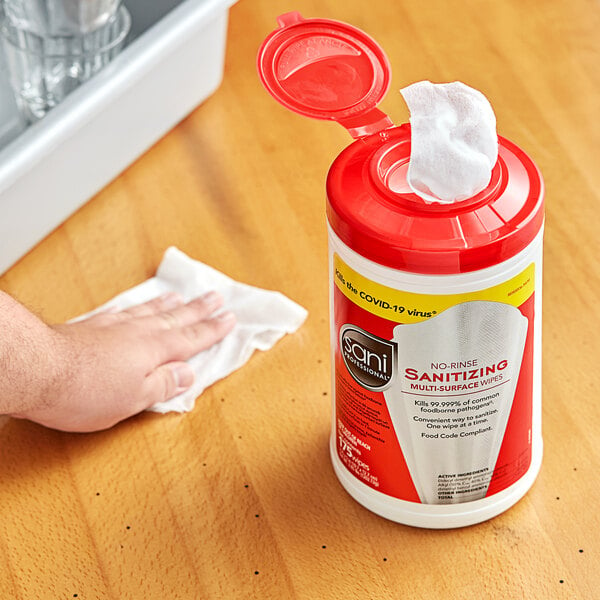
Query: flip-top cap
x,y
326,70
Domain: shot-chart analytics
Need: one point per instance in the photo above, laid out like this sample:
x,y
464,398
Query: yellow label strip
x,y
406,307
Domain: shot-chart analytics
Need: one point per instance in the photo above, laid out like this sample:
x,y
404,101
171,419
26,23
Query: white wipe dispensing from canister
x,y
435,302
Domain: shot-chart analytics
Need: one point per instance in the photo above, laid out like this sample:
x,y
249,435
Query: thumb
x,y
166,381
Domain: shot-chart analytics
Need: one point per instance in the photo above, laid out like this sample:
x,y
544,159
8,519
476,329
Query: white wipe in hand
x,y
454,144
263,317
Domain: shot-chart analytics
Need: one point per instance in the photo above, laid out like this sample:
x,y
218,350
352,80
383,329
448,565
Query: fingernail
x,y
112,309
183,376
170,300
226,317
211,298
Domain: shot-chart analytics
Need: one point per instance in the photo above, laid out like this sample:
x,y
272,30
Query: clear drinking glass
x,y
44,69
60,17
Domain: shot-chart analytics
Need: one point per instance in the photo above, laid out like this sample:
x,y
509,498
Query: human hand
x,y
115,364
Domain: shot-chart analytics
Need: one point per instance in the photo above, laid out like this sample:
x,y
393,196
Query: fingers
x,y
166,382
113,315
155,306
184,342
171,329
188,314
174,376
164,312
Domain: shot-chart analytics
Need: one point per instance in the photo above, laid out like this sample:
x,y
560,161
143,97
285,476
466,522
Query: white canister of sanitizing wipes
x,y
435,308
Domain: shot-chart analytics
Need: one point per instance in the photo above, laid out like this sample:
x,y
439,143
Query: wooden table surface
x,y
238,498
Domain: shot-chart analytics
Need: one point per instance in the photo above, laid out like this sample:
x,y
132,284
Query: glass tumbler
x,y
60,17
44,69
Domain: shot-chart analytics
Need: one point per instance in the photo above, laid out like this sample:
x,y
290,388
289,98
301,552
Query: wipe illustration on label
x,y
433,393
457,374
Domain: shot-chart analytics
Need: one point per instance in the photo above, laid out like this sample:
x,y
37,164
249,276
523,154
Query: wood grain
x,y
238,499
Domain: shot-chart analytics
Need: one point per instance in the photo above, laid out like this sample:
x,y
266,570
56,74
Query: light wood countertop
x,y
238,499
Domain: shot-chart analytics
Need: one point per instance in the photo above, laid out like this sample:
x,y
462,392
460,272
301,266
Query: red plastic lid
x,y
372,209
326,70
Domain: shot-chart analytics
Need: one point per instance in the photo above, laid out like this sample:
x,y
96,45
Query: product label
x,y
433,392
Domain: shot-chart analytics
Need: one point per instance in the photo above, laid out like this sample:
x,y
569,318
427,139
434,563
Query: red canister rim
x,y
373,211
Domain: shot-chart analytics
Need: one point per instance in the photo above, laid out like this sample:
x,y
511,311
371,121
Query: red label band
x,y
451,408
